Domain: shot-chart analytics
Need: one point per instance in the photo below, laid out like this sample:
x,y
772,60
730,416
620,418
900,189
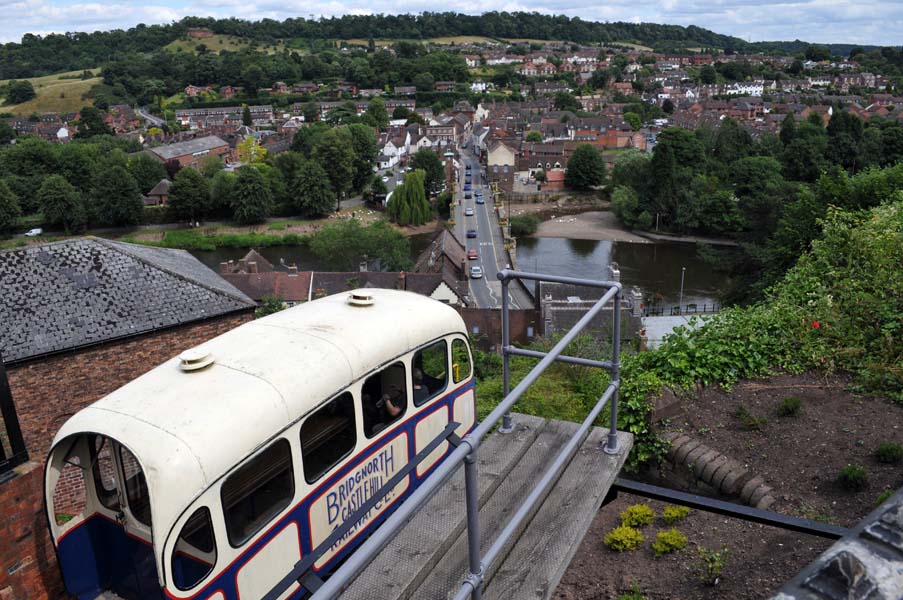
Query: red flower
x,y
816,324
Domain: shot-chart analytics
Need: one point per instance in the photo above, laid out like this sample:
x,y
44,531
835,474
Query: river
x,y
653,268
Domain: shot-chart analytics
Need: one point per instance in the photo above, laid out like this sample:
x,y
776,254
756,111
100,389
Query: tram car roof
x,y
188,428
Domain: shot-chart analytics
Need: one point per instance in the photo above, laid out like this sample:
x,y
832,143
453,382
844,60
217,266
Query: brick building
x,y
82,318
190,153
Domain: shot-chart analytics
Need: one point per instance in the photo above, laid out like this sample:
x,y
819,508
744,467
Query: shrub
x,y
634,594
522,225
749,420
883,496
623,539
710,565
668,541
637,515
889,453
674,513
790,407
853,478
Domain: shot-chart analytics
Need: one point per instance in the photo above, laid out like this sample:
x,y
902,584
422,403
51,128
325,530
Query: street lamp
x,y
680,301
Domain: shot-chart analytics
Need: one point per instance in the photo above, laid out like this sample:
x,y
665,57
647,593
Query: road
x,y
489,243
154,121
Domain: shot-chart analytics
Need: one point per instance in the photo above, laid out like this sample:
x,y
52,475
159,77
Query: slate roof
x,y
190,147
64,295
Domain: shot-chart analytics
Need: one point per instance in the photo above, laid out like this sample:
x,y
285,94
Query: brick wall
x,y
485,326
46,392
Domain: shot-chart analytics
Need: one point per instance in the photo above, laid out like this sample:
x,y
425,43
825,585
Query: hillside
x,y
62,92
218,43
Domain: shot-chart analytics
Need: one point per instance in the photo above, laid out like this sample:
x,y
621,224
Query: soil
x,y
799,457
594,225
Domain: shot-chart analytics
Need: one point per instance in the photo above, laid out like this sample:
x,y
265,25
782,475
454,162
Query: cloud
x,y
877,22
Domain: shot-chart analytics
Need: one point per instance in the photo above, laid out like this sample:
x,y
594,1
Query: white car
x,y
385,180
34,232
476,272
468,212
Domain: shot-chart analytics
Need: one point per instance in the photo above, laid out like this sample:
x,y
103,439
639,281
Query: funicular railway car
x,y
210,476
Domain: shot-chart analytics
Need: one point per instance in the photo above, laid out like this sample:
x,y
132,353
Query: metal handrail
x,y
465,452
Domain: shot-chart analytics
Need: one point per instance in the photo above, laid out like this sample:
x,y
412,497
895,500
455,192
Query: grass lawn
x,y
55,94
639,47
218,42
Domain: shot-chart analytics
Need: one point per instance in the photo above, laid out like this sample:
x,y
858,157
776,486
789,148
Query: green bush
x,y
674,513
710,565
669,541
889,453
853,478
637,515
623,539
883,496
749,420
634,594
522,225
790,407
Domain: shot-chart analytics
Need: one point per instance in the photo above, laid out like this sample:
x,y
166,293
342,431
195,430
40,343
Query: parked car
x,y
472,254
476,272
34,232
385,180
480,200
467,196
471,233
467,187
468,212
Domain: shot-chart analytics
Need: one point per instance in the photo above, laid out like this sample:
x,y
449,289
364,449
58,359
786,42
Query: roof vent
x,y
194,359
360,298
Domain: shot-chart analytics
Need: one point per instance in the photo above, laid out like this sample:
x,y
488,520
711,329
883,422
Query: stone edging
x,y
721,472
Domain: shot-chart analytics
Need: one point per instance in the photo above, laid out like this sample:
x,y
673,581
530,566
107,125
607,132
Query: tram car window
x,y
429,372
135,487
384,398
460,361
195,552
257,492
328,436
104,471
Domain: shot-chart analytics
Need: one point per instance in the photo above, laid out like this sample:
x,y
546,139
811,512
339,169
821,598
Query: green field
x,y
217,43
639,47
55,94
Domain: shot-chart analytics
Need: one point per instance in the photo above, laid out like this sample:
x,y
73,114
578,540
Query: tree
x,y
363,144
534,136
377,110
189,196
211,165
19,92
62,205
400,112
566,101
172,166
221,189
804,157
91,123
116,199
7,133
634,120
310,191
585,169
345,243
246,119
668,106
892,142
306,138
146,170
429,162
408,204
708,75
788,129
817,53
424,81
335,154
251,198
844,140
310,111
732,142
250,151
9,209
540,176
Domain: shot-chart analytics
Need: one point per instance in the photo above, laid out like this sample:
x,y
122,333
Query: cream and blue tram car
x,y
210,476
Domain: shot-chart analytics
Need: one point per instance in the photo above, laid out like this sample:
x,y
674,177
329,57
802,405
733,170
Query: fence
x,y
12,446
677,310
465,452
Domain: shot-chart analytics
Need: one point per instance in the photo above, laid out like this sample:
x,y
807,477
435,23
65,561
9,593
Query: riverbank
x,y
605,226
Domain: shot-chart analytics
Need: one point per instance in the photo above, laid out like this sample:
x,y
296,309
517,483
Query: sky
x,y
877,22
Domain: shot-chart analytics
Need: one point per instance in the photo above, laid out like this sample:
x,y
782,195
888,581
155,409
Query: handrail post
x,y
611,445
507,426
471,498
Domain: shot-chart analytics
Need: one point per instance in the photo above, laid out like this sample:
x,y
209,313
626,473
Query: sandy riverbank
x,y
594,225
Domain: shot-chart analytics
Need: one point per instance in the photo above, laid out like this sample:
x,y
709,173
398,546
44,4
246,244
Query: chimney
x,y
362,267
252,266
402,281
242,266
225,267
293,271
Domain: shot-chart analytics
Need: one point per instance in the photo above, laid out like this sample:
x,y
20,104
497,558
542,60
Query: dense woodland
x,y
42,55
769,194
